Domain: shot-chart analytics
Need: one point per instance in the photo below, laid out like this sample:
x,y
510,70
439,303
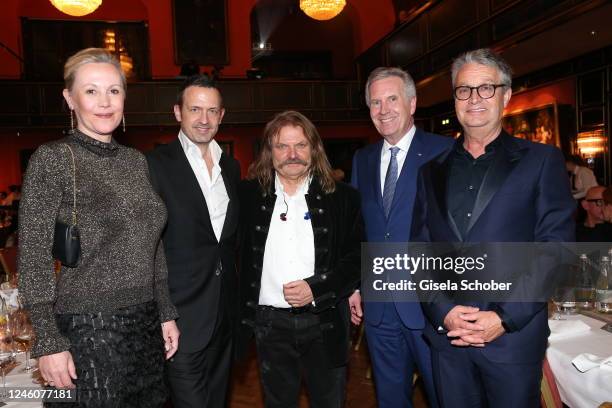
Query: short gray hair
x,y
386,72
483,56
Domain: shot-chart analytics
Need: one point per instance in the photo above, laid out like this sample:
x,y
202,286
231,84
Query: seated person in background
x,y
581,177
594,228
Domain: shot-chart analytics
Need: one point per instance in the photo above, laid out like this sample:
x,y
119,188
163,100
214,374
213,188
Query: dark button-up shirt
x,y
465,178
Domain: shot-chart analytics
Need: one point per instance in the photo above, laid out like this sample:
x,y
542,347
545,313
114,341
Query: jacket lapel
x,y
374,167
231,214
439,176
407,178
502,166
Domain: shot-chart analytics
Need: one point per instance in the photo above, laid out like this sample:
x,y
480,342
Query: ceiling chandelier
x,y
322,9
76,8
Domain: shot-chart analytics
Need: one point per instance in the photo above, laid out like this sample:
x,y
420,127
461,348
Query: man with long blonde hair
x,y
300,257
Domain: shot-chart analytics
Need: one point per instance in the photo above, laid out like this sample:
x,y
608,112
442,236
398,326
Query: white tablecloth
x,y
18,378
581,390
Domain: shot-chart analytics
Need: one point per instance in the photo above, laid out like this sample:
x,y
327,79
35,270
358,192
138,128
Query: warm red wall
x,y
562,92
371,20
243,138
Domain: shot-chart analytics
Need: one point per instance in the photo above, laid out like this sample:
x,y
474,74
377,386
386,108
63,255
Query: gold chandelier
x,y
322,9
76,8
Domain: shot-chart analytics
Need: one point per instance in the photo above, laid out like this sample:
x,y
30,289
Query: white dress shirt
x,y
211,184
385,155
289,254
584,178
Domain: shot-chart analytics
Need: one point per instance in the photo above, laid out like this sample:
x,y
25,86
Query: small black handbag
x,y
66,239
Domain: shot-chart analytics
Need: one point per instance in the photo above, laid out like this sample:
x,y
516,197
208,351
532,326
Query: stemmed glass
x,y
565,302
6,349
557,299
23,334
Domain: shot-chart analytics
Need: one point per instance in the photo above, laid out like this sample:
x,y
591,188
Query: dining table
x,y
570,338
18,382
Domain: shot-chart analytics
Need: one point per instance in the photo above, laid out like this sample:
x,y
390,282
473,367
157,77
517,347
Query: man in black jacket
x,y
300,258
199,185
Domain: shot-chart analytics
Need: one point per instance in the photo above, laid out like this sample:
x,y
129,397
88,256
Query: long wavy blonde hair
x,y
262,168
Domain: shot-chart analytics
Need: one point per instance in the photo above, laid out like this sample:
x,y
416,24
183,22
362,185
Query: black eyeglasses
x,y
485,91
598,201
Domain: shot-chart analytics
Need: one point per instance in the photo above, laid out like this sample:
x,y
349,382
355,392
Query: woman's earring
x,y
123,123
71,121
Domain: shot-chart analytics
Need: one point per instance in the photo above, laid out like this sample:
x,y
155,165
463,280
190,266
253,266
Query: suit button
x,y
321,211
387,235
263,208
258,228
318,197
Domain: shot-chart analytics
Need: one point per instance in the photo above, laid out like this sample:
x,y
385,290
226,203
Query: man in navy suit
x,y
490,187
385,174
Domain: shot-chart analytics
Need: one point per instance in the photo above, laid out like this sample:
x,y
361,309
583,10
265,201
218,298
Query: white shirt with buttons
x,y
289,253
211,184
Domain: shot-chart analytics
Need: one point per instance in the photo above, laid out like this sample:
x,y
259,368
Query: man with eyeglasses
x,y
490,187
594,228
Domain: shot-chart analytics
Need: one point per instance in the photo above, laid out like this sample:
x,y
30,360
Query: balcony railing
x,y
40,104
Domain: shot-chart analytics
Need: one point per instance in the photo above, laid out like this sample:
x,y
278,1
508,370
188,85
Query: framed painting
x,y
539,124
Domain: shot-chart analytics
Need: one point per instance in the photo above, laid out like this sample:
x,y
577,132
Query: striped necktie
x,y
390,181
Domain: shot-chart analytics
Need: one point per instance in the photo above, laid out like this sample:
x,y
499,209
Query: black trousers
x,y
200,379
290,348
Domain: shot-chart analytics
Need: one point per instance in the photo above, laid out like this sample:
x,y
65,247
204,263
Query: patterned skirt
x,y
119,357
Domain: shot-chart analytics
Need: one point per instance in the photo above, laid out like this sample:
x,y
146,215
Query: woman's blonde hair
x,y
89,56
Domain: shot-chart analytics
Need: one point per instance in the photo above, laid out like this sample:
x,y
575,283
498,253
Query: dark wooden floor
x,y
246,390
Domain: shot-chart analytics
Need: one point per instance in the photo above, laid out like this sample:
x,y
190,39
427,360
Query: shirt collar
x,y
403,143
191,148
94,145
489,148
301,190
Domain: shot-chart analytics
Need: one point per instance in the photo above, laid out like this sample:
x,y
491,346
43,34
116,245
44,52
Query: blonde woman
x,y
98,324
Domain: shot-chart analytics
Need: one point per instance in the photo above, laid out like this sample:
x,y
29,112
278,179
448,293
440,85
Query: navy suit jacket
x,y
524,197
366,178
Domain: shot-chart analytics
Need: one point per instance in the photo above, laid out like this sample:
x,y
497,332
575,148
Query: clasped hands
x,y
469,326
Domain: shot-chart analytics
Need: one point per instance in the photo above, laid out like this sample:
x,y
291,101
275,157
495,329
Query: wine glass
x,y
23,334
6,349
564,299
557,299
